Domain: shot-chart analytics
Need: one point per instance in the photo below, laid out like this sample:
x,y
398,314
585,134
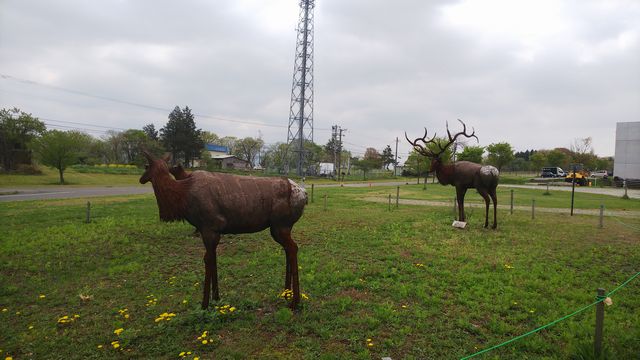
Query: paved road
x,y
62,192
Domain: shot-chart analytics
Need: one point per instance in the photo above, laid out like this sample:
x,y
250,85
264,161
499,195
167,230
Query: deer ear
x,y
147,155
167,158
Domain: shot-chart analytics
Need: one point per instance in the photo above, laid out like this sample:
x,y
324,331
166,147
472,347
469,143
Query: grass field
x,y
71,177
398,283
100,176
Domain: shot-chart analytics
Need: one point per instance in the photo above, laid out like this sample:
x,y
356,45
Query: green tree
x,y
520,164
500,154
17,129
181,137
313,152
151,132
388,157
604,163
582,153
365,165
132,142
416,164
330,151
59,149
209,137
230,143
539,160
275,157
558,158
248,148
472,153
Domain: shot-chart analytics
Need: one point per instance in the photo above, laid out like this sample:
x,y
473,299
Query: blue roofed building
x,y
215,150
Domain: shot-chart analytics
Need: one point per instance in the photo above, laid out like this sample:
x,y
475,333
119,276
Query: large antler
x,y
463,132
423,150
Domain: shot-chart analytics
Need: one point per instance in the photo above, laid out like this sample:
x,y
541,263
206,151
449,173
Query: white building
x,y
627,159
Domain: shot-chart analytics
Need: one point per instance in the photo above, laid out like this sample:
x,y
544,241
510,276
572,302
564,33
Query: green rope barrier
x,y
599,299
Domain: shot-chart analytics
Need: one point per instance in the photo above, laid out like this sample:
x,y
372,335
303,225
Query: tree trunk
x,y
61,177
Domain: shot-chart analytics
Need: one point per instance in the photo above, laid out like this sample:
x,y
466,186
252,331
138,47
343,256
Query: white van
x,y
553,172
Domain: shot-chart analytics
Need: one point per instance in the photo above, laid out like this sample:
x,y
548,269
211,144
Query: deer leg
x,y
460,197
210,240
485,196
291,250
494,198
287,276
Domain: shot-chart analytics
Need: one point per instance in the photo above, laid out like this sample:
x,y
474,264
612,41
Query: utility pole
x,y
334,141
395,162
340,150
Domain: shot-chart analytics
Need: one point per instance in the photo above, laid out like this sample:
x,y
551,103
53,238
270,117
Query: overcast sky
x,y
536,74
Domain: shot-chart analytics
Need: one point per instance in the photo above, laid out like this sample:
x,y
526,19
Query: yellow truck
x,y
581,177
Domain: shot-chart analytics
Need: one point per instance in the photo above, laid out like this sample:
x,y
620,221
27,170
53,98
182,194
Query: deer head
x,y
154,167
435,156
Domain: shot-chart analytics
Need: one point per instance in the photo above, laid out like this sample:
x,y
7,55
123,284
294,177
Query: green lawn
x,y
72,177
404,279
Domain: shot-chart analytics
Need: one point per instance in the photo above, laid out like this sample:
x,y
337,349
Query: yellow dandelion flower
x,y
204,342
8,358
232,309
118,331
99,346
182,354
184,301
5,310
370,344
42,296
196,358
30,327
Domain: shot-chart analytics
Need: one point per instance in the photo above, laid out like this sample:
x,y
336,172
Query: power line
x,y
85,124
132,103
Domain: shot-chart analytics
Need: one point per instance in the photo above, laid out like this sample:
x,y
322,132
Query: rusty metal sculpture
x,y
461,174
219,204
179,172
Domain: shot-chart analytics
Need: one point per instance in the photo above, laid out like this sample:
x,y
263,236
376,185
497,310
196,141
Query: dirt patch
x,y
353,294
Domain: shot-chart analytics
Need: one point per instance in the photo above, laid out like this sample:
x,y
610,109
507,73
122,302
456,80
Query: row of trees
x,y
21,134
503,157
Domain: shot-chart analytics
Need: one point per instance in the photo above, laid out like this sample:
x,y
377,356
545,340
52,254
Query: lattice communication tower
x,y
301,109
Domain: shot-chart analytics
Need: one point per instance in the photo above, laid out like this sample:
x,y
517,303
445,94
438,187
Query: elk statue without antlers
x,y
219,204
179,172
461,174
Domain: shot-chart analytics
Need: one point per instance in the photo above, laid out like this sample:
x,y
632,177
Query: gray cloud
x,y
536,78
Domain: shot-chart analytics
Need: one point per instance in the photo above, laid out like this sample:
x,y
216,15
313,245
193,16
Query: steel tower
x,y
301,109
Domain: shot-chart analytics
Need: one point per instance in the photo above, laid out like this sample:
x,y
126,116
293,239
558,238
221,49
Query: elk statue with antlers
x,y
463,175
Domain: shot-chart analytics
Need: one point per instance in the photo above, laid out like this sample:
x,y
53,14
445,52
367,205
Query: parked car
x,y
600,174
547,174
554,171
